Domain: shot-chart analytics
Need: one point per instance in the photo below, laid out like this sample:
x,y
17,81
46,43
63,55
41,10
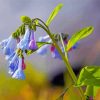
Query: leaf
x,y
39,44
89,75
79,35
54,13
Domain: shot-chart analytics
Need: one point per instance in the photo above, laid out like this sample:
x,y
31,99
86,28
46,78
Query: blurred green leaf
x,y
79,35
39,44
89,75
54,13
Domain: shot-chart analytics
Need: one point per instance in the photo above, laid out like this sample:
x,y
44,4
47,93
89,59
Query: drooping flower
x,y
24,43
8,46
3,43
43,50
32,43
19,74
54,52
13,64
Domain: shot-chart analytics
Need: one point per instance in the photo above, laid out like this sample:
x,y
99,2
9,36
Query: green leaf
x,y
89,75
79,35
54,13
25,19
39,44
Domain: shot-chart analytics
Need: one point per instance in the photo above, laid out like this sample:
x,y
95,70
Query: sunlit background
x,y
73,16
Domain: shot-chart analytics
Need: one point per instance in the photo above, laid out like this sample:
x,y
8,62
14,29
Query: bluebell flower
x,y
32,43
3,43
9,46
19,74
13,64
43,50
24,43
55,54
44,39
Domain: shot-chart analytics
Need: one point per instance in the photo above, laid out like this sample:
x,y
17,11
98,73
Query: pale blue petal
x,y
43,50
19,74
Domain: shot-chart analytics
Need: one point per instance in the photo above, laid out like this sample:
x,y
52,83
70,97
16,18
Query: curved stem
x,y
40,21
65,58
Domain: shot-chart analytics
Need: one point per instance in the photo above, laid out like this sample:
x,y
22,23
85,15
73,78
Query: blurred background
x,y
75,15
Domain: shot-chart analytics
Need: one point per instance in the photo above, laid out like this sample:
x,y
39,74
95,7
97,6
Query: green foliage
x,y
54,13
89,75
19,32
79,35
25,19
39,44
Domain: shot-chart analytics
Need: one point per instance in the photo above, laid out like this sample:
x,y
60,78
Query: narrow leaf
x,y
79,35
54,13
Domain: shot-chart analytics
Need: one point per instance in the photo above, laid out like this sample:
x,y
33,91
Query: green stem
x,y
64,57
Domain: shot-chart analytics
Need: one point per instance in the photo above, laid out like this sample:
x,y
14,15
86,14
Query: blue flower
x,y
55,54
24,43
9,46
43,50
13,64
32,43
19,74
4,43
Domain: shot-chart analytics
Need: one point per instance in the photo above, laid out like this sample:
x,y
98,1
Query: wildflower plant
x,y
23,42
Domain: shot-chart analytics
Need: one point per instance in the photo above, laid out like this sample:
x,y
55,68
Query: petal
x,y
33,45
27,35
3,43
43,50
13,65
24,43
19,74
56,54
44,39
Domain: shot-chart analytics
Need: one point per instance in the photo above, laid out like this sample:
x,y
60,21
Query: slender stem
x,y
62,94
65,58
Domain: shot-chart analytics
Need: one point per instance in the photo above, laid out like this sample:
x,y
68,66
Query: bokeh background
x,y
73,16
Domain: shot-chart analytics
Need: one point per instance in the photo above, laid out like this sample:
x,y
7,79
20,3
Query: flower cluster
x,y
15,48
54,52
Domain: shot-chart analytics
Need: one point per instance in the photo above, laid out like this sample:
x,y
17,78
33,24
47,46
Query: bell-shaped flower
x,y
43,50
44,39
3,43
54,52
13,64
32,43
24,43
19,74
9,47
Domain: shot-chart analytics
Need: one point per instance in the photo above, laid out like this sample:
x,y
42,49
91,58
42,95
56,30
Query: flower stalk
x,y
64,57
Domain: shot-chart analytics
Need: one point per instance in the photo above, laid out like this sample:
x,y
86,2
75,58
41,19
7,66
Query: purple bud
x,y
32,43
